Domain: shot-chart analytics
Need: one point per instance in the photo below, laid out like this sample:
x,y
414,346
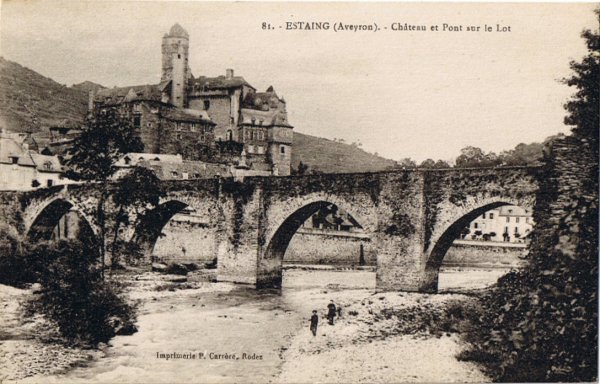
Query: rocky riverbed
x,y
252,336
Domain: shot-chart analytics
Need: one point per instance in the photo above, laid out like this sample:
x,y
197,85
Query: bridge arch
x,y
453,230
152,222
270,264
45,220
150,225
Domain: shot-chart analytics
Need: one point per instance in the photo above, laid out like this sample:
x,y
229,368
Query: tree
x,y
583,108
105,137
441,164
406,163
429,163
136,191
473,157
302,169
541,324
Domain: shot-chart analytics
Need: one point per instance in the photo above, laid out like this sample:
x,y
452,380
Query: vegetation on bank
x,y
541,323
85,308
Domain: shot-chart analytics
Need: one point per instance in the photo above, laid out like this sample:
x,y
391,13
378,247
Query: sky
x,y
418,94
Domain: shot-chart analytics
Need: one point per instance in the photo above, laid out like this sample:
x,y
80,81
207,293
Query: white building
x,y
507,224
24,169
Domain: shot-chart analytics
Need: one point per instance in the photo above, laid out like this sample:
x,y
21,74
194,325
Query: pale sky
x,y
400,93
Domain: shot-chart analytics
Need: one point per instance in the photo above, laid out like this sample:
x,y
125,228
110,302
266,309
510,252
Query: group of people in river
x,y
332,312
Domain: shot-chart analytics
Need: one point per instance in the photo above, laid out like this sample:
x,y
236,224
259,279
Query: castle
x,y
219,119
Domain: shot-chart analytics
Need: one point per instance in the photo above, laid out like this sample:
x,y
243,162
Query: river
x,y
223,322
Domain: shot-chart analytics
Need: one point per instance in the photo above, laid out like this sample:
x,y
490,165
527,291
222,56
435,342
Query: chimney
x,y
229,73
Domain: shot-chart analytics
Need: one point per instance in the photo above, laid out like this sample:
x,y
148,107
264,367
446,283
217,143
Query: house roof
x,y
11,146
131,93
193,115
138,157
262,100
513,210
269,118
45,163
219,82
178,31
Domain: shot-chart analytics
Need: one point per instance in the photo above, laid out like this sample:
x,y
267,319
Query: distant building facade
x,y
212,119
507,224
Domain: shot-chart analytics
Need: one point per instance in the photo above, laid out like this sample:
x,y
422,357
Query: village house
x,y
21,168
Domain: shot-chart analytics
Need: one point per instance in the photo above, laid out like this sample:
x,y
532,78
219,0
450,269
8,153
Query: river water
x,y
211,328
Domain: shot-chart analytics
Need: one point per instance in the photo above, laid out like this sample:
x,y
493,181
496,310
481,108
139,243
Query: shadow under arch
x,y
151,224
436,257
43,226
270,266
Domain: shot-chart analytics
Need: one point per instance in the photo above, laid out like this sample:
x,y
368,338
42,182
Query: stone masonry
x,y
411,217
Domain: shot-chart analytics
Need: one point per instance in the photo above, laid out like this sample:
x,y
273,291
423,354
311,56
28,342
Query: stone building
x,y
213,119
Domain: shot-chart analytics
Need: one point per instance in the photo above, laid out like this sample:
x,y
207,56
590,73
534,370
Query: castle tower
x,y
175,46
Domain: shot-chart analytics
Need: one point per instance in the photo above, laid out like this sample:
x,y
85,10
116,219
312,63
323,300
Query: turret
x,y
175,46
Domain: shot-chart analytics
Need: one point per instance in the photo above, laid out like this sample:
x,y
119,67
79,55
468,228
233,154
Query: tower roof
x,y
178,31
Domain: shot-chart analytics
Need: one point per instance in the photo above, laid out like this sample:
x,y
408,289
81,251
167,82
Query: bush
x,y
86,309
18,268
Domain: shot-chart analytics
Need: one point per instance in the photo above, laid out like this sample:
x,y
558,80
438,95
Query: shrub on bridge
x,y
86,309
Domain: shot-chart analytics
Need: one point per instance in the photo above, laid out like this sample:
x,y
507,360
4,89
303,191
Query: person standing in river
x,y
331,312
314,321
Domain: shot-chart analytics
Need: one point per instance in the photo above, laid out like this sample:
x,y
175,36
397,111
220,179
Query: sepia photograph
x,y
298,192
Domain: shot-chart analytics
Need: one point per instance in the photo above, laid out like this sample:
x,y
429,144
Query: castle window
x,y
475,225
178,56
178,136
491,215
137,121
282,149
483,216
206,105
14,159
49,182
157,159
127,160
229,135
174,174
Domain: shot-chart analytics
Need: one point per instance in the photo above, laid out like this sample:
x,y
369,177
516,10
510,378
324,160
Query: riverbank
x,y
381,337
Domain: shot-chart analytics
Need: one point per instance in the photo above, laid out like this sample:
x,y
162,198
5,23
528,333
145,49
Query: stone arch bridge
x,y
412,216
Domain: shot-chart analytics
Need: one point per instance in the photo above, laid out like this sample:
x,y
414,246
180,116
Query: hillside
x,y
333,157
30,102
